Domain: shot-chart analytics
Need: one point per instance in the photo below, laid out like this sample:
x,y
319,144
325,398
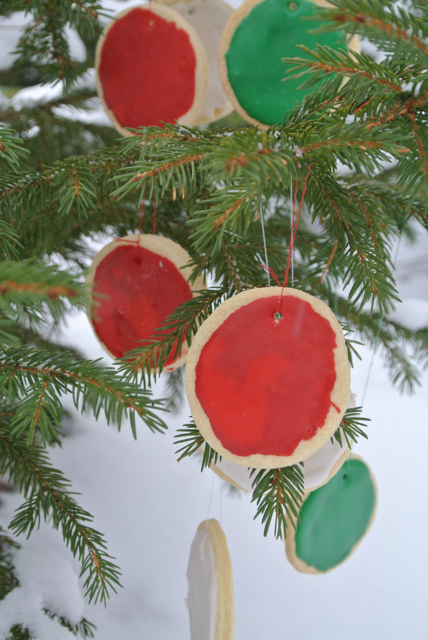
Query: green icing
x,y
335,517
255,69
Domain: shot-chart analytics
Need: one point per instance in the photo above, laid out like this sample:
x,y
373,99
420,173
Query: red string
x,y
291,244
272,273
361,106
137,241
154,215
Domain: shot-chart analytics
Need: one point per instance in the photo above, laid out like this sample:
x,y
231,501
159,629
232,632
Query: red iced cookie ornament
x,y
151,68
139,282
268,390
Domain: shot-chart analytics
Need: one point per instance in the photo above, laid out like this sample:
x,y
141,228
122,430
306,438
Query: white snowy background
x,y
149,507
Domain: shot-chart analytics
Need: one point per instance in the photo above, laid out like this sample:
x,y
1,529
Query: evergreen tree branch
x,y
44,42
351,428
279,496
47,496
175,392
192,440
35,380
8,579
11,149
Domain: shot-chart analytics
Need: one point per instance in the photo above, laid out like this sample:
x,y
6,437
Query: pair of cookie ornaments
x,y
267,374
193,61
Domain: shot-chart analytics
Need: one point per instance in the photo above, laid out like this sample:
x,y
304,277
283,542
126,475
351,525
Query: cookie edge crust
x,y
163,247
201,69
219,113
339,395
290,541
225,619
242,12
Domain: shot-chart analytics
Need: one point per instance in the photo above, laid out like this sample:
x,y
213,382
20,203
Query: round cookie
x,y
256,39
268,391
139,280
151,68
333,520
209,573
208,18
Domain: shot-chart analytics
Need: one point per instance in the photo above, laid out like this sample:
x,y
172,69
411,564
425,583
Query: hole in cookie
x,y
293,6
191,11
278,316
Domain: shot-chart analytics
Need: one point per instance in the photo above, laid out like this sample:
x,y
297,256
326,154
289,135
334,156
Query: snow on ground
x,y
46,581
149,507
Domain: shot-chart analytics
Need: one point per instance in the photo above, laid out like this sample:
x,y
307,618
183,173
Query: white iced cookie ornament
x,y
208,18
209,573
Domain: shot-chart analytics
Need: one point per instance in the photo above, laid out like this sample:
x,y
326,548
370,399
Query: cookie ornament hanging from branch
x,y
134,283
267,377
151,68
209,573
208,18
256,39
333,520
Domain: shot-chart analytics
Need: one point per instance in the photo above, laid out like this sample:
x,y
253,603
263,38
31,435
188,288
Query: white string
x,y
291,224
377,336
209,503
221,504
264,239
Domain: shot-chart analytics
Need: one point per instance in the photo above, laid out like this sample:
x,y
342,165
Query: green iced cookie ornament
x,y
256,38
333,520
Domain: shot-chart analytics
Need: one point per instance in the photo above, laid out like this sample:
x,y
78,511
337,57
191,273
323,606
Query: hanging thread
x,y
209,503
291,224
154,214
141,215
264,241
293,234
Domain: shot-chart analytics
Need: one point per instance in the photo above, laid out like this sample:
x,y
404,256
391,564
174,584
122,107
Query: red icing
x,y
142,289
266,386
147,70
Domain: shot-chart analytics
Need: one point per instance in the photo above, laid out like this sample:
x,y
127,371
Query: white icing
x,y
202,578
318,467
209,18
237,473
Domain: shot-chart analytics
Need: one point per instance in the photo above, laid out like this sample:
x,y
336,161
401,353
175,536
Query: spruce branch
x,y
174,389
11,148
34,381
393,28
48,497
192,440
43,41
351,428
8,580
35,285
9,241
279,495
